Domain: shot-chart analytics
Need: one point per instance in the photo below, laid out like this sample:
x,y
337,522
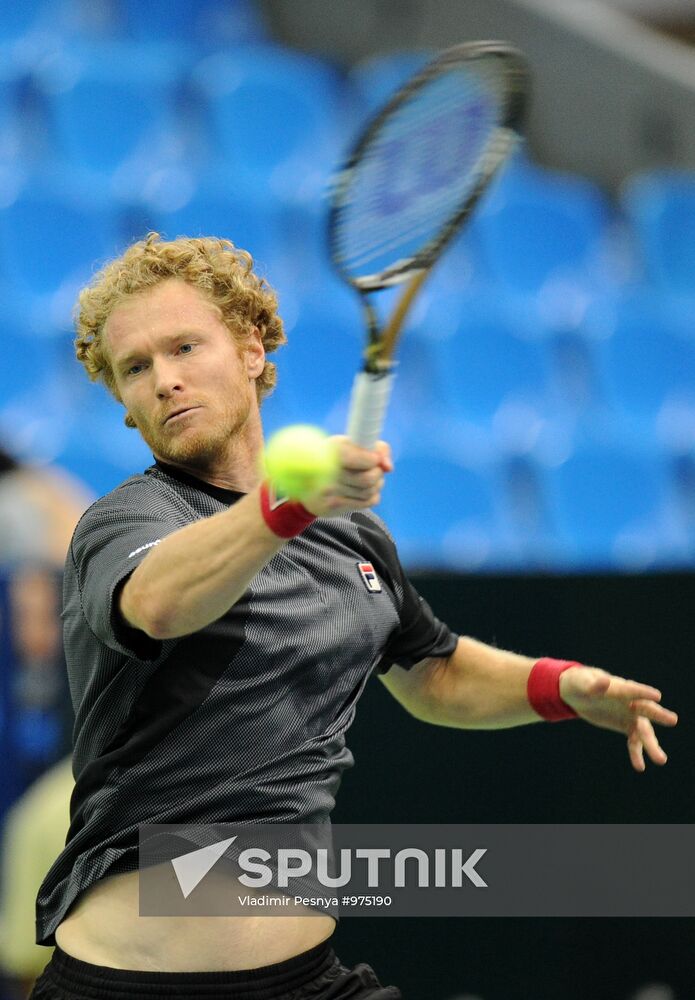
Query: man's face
x,y
186,383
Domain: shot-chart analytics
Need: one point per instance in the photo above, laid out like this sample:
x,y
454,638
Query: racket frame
x,y
367,411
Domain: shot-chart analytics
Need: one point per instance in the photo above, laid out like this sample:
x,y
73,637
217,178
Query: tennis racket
x,y
412,179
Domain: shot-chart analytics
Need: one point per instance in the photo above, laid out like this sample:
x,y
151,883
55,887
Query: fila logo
x,y
369,577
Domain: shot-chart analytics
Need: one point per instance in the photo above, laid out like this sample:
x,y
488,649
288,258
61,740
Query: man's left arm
x,y
481,687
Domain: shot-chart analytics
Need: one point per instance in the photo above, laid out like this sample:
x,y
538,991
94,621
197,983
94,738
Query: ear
x,y
254,353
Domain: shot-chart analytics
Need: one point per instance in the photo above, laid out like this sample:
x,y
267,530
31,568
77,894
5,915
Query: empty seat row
x,y
208,23
131,122
602,507
629,370
553,269
265,117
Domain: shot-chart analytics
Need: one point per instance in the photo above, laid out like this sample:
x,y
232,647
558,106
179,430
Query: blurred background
x,y
543,421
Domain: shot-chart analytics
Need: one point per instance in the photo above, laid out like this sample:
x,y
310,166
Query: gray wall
x,y
653,8
611,96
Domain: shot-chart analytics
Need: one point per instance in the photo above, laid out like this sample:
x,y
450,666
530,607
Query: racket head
x,y
421,165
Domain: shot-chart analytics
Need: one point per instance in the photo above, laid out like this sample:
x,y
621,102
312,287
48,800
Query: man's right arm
x,y
194,575
197,573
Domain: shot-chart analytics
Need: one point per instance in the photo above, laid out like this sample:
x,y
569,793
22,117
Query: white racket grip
x,y
370,396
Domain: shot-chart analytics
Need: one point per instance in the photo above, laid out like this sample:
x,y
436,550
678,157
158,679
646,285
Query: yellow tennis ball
x,y
300,460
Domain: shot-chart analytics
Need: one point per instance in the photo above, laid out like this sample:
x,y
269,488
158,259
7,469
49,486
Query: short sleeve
x,y
419,634
110,541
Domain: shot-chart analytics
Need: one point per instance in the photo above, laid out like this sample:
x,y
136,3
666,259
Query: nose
x,y
167,380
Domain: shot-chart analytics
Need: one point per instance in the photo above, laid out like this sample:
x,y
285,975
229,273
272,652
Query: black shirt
x,y
242,721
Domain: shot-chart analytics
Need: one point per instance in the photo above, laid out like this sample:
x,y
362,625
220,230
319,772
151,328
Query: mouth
x,y
180,413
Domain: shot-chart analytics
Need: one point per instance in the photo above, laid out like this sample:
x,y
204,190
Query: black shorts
x,y
313,975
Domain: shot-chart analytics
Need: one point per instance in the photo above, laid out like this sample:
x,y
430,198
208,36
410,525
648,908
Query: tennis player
x,y
217,643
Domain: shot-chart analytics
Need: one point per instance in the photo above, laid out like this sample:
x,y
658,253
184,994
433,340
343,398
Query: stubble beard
x,y
199,449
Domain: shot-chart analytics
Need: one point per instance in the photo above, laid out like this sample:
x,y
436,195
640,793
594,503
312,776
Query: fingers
x,y
640,738
628,689
363,488
639,699
643,700
362,485
619,687
641,735
361,477
655,713
353,458
384,452
622,705
635,750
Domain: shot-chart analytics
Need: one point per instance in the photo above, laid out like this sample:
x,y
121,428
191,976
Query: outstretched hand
x,y
625,706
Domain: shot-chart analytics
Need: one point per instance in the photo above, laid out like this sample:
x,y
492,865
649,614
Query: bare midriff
x,y
104,927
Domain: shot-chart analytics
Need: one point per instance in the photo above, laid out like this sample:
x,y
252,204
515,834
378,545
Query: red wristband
x,y
543,689
285,518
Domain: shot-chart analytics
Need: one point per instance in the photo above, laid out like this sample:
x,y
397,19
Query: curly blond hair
x,y
223,272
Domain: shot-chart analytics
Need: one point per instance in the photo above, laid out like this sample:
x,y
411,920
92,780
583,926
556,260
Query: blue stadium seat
x,y
310,274
17,19
463,266
608,507
661,209
63,23
681,524
300,270
523,495
275,119
519,172
318,363
212,24
541,226
49,245
280,408
95,444
375,79
94,467
575,378
253,226
111,104
440,513
157,20
480,362
35,421
29,362
525,535
648,362
225,24
10,76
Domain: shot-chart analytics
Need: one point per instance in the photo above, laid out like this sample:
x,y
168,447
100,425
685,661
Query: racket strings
x,y
420,166
368,244
365,230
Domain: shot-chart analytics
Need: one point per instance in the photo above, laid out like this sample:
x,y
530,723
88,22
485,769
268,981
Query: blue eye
x,y
183,347
134,369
